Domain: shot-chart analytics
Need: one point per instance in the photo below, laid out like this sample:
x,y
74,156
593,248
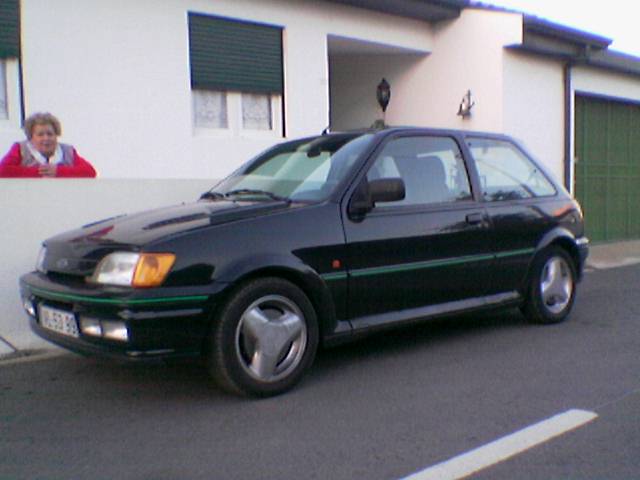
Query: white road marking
x,y
505,447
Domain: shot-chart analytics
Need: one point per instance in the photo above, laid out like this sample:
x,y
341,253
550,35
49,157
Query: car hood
x,y
141,228
76,252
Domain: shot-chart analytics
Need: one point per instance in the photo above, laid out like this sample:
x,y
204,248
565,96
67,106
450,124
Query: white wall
x,y
467,55
607,83
116,72
534,107
33,210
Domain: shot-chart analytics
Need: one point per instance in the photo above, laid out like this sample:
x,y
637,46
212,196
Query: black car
x,y
315,242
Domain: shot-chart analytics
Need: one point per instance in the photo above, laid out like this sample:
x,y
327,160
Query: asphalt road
x,y
382,408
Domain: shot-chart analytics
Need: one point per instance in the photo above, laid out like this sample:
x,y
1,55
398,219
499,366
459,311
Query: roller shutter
x,y
235,56
9,28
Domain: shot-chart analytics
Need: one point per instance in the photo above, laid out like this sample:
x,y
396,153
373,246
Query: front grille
x,y
68,279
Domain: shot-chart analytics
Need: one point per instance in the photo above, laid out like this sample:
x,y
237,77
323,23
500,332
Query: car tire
x,y
263,339
552,287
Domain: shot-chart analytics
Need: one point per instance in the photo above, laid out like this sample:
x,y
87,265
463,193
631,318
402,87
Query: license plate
x,y
59,321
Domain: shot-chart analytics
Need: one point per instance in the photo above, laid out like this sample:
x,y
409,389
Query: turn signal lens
x,y
152,268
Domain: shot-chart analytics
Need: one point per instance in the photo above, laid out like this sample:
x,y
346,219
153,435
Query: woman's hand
x,y
48,170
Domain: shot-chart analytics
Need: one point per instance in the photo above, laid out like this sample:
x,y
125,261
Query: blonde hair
x,y
41,119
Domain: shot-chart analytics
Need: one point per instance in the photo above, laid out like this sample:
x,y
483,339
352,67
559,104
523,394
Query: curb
x,y
26,356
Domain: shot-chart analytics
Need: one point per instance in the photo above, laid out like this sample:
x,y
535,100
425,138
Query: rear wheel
x,y
551,290
264,339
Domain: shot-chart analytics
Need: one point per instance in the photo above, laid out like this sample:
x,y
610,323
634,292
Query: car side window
x,y
431,168
506,173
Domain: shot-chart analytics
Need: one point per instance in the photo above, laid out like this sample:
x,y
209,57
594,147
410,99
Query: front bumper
x,y
583,252
159,322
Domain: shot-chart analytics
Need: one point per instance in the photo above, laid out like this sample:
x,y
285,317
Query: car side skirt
x,y
373,323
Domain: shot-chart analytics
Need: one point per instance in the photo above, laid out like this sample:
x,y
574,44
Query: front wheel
x,y
264,338
552,287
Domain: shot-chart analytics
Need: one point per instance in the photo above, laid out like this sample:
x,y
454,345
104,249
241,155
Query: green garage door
x,y
608,167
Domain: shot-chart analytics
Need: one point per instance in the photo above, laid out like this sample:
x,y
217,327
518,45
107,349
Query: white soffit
x,y
339,45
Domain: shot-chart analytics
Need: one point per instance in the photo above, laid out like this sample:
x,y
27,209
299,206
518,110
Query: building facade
x,y
185,89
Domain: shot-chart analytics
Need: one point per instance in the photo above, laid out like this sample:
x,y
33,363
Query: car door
x,y
431,248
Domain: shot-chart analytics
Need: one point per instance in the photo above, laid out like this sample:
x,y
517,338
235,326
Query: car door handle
x,y
475,218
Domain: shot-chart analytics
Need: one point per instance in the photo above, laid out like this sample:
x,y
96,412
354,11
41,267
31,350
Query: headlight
x,y
133,269
40,260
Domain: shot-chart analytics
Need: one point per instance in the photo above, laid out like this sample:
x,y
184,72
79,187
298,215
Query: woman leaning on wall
x,y
41,155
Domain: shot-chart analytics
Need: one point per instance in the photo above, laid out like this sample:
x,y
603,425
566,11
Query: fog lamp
x,y
115,331
91,326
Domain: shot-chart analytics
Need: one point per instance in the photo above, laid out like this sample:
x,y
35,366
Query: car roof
x,y
395,130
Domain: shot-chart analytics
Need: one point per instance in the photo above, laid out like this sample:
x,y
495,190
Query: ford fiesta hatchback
x,y
314,242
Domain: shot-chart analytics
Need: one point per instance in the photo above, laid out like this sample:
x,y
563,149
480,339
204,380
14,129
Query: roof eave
x,y
426,10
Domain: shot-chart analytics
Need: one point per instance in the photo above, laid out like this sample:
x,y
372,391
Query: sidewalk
x,y
602,256
616,254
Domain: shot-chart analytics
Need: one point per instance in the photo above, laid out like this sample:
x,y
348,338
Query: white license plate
x,y
59,321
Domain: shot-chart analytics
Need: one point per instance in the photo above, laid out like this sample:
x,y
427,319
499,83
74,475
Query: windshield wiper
x,y
211,195
250,191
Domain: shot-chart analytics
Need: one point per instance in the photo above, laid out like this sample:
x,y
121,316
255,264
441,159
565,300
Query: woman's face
x,y
44,139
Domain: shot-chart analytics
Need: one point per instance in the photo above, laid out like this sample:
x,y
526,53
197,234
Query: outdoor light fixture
x,y
466,105
383,94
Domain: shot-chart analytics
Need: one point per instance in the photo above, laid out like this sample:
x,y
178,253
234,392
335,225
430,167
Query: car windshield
x,y
305,170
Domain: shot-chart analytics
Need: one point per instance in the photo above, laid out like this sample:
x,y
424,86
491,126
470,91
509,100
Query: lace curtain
x,y
210,109
4,113
256,111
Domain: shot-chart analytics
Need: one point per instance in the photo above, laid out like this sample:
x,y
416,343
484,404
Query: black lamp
x,y
383,94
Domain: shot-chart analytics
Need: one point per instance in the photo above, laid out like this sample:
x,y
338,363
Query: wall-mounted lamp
x,y
466,105
383,94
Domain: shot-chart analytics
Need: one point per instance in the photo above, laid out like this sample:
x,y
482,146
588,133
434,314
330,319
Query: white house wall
x,y
467,55
534,107
116,72
605,83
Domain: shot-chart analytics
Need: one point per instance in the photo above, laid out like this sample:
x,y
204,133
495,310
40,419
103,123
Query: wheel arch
x,y
296,272
566,240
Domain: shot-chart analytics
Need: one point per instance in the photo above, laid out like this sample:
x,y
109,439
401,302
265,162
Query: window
x,y
256,111
9,48
210,109
431,167
4,108
506,173
236,74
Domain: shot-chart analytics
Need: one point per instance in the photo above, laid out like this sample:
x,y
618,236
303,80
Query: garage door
x,y
608,167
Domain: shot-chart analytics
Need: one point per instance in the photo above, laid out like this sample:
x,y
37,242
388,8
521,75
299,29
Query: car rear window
x,y
506,173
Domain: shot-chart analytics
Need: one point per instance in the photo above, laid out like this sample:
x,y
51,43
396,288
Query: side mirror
x,y
369,193
386,190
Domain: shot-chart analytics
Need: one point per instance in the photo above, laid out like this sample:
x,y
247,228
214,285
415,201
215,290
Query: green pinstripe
x,y
114,301
406,267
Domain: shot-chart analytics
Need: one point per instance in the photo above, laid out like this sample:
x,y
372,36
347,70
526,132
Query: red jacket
x,y
11,166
